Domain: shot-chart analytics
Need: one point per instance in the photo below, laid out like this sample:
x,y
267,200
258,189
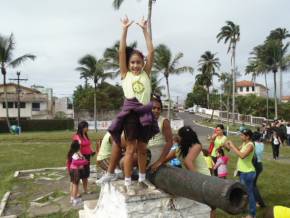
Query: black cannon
x,y
228,195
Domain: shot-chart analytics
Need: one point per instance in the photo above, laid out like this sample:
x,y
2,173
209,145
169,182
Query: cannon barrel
x,y
228,195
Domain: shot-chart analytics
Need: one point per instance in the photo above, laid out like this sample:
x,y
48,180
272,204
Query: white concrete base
x,y
147,203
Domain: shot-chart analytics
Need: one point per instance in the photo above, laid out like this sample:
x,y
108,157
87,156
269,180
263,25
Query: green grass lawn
x,y
48,149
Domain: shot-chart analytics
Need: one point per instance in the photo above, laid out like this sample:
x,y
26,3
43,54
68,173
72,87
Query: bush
x,y
40,125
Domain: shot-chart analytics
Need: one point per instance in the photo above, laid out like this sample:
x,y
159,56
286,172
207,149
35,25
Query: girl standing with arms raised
x,y
136,118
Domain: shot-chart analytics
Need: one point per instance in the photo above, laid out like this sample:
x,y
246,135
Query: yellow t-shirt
x,y
209,162
199,162
106,148
281,212
218,142
245,165
137,86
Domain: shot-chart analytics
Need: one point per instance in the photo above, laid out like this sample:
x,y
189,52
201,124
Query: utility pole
x,y
18,96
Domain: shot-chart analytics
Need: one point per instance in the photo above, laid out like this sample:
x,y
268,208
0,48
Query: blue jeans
x,y
248,180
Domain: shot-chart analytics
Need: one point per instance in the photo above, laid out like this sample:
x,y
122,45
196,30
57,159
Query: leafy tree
x,y
230,33
166,64
95,69
112,57
7,46
208,64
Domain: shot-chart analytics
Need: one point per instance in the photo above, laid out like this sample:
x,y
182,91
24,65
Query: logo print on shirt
x,y
138,87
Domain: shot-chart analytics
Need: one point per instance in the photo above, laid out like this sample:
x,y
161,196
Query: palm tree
x,y
279,34
226,79
165,63
112,56
84,75
274,56
208,64
94,68
7,45
117,4
155,83
257,67
231,33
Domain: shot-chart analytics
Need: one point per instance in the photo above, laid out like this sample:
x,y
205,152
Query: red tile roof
x,y
285,98
246,83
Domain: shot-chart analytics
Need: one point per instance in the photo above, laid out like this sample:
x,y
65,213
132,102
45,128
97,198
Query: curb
x,y
4,202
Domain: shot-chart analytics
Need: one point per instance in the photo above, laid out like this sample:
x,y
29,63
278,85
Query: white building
x,y
33,103
285,99
245,87
64,105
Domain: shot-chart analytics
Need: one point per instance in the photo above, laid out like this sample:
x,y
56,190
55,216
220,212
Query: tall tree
x,y
7,46
95,68
226,79
166,64
117,4
208,64
258,67
273,55
279,34
230,33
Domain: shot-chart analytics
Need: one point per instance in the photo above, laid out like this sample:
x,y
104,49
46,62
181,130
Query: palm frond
x,y
22,59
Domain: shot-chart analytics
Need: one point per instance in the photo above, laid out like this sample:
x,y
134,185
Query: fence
x,y
239,118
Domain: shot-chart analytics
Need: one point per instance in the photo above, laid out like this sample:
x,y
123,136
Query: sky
x,y
60,32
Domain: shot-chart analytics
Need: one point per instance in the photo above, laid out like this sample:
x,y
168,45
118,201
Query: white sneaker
x,y
77,202
108,177
130,190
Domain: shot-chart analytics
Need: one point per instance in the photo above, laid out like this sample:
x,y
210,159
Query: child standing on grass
x,y
136,118
221,164
208,160
76,164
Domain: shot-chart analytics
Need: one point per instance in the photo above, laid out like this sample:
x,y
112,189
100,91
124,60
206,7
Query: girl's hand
x,y
126,22
142,23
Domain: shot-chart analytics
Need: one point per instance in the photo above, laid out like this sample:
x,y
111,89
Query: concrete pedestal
x,y
147,203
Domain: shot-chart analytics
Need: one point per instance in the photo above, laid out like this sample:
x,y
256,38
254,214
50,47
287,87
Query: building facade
x,y
33,103
245,87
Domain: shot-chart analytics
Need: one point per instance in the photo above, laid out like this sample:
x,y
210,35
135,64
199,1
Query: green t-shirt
x,y
137,86
106,148
245,165
199,162
218,142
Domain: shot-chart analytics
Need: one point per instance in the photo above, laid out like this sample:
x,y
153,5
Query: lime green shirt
x,y
281,212
199,162
106,148
137,86
218,142
159,138
245,165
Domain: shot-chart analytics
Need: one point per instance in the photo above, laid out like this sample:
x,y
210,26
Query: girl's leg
x,y
142,159
85,184
278,149
115,158
248,180
273,151
128,160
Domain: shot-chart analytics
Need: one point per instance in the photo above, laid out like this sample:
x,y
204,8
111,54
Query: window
x,y
253,88
36,106
69,106
241,89
22,105
248,89
10,105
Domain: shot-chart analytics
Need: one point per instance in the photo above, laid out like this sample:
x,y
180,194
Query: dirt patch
x,y
34,185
